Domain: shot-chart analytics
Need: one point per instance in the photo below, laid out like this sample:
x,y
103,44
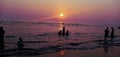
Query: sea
x,y
44,36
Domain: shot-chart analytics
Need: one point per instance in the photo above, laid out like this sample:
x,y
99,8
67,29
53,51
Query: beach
x,y
59,28
98,52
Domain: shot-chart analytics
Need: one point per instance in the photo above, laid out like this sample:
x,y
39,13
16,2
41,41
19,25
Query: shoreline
x,y
53,50
98,52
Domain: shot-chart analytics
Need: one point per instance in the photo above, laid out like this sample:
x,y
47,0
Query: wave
x,y
11,36
44,23
89,45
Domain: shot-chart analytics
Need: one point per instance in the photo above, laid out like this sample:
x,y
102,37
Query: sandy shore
x,y
98,52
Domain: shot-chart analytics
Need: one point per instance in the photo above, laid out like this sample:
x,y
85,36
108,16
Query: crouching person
x,y
20,43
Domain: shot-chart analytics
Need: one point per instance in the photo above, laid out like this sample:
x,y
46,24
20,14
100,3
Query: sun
x,y
61,14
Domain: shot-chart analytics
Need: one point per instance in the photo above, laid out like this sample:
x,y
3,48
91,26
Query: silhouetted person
x,y
63,31
60,33
20,43
112,32
2,32
106,33
67,33
119,27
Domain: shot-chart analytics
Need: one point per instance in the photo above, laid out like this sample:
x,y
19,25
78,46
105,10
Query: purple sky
x,y
80,11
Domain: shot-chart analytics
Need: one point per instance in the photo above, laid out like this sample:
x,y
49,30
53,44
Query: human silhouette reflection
x,y
2,32
62,53
108,44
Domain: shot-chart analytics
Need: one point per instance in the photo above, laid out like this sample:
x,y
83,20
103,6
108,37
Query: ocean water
x,y
37,35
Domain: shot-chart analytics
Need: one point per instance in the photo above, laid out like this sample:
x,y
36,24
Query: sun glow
x,y
61,14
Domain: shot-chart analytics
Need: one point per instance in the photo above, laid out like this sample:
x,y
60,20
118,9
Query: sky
x,y
79,11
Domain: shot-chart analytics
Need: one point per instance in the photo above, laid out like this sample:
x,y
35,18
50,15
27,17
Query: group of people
x,y
111,35
63,32
20,43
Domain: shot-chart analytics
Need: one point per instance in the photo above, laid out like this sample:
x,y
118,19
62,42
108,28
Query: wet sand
x,y
98,52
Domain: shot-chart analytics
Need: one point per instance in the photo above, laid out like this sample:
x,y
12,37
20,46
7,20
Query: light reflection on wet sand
x,y
99,52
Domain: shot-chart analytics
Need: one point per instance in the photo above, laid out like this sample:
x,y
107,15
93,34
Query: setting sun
x,y
61,14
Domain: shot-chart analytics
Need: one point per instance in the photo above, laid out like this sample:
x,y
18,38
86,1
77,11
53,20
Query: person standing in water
x,y
106,33
63,31
2,32
112,33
